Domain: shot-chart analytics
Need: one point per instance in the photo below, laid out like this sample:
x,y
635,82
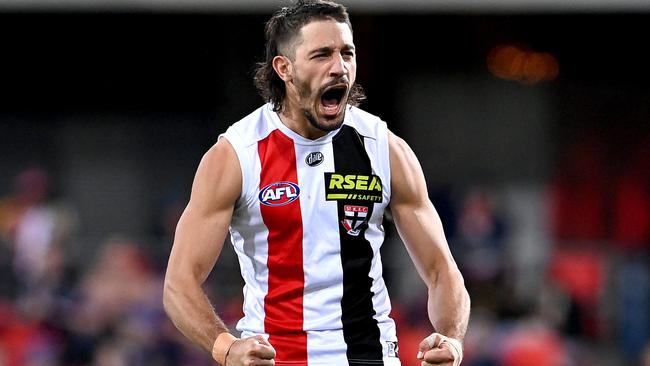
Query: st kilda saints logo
x,y
355,217
315,158
279,194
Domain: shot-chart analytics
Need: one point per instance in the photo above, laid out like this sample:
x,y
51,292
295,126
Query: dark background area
x,y
194,69
130,62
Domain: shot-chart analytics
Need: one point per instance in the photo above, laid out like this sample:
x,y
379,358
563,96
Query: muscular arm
x,y
199,238
420,228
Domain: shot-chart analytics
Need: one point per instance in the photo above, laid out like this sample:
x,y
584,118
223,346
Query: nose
x,y
339,66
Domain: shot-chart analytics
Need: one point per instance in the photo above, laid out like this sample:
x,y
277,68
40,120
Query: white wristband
x,y
221,347
453,344
456,347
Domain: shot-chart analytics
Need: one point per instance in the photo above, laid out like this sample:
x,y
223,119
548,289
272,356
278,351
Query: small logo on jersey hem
x,y
279,194
355,218
393,349
314,158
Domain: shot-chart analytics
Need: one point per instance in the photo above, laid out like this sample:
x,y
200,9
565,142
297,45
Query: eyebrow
x,y
347,47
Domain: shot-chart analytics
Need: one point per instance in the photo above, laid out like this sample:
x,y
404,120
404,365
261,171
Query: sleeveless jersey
x,y
307,230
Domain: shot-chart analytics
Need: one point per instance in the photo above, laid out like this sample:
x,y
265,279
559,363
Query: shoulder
x,y
407,178
220,159
219,167
252,128
399,149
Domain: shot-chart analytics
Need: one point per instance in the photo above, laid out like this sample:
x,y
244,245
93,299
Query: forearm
x,y
192,313
449,305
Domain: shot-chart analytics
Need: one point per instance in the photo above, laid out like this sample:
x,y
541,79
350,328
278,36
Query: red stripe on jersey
x,y
283,303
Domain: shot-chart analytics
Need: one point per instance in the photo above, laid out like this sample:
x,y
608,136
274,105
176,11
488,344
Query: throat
x,y
304,124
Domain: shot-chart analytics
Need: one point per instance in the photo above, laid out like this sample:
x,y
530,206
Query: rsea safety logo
x,y
279,193
353,187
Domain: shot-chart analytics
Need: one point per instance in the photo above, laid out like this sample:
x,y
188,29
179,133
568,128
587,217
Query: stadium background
x,y
530,120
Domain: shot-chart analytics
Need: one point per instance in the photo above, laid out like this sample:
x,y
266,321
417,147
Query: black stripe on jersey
x,y
360,329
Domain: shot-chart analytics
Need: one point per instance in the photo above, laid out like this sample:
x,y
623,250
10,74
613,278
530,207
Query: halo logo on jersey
x,y
355,216
279,193
314,158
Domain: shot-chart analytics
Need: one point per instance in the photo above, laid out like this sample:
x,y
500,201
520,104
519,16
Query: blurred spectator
x,y
480,237
582,274
533,343
120,280
118,283
36,227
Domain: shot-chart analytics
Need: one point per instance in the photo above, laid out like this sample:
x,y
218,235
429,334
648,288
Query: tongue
x,y
330,102
330,106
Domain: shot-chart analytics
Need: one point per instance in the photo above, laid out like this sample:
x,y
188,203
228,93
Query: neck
x,y
297,122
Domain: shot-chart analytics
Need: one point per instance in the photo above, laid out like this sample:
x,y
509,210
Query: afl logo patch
x,y
314,158
279,193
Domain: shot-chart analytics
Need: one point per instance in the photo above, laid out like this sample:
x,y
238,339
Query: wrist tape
x,y
222,346
453,344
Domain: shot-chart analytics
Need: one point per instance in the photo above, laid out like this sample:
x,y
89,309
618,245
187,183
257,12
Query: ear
x,y
283,67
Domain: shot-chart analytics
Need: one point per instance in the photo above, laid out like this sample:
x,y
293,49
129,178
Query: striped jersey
x,y
307,230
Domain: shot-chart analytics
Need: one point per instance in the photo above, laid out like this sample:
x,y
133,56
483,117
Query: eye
x,y
348,54
319,55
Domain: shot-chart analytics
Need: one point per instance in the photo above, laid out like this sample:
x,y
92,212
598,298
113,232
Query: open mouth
x,y
331,99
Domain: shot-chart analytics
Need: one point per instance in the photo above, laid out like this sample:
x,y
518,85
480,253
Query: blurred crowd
x,y
558,274
569,284
102,311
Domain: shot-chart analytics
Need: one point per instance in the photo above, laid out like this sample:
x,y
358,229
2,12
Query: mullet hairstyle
x,y
282,29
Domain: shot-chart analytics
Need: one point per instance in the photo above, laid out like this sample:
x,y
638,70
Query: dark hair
x,y
280,30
